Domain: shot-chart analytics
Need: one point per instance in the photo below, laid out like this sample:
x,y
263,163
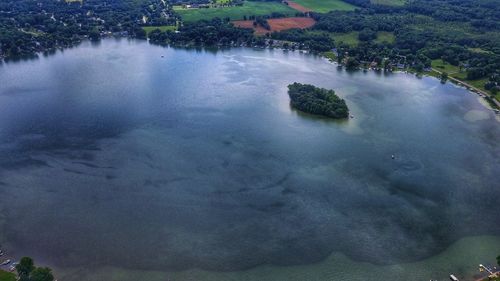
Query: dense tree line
x,y
423,30
204,33
319,101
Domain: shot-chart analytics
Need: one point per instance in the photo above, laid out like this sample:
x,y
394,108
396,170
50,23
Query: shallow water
x,y
114,157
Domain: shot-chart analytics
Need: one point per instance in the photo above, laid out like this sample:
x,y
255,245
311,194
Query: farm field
x,y
249,8
324,6
298,7
279,24
389,2
162,28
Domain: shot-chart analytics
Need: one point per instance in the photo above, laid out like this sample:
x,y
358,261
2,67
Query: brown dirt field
x,y
289,23
277,24
298,7
249,24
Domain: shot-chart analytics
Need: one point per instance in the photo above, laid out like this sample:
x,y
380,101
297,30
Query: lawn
x,y
325,6
389,2
7,276
452,70
249,8
444,66
162,28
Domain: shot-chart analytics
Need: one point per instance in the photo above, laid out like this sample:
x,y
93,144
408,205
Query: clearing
x,y
278,24
385,37
248,8
441,65
162,28
325,6
351,38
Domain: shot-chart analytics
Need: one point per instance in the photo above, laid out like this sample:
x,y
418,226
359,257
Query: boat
x,y
6,262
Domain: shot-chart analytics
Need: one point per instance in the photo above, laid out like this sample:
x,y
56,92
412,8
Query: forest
x,y
318,101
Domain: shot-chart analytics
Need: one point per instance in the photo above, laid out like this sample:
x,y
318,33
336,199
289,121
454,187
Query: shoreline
x,y
471,89
460,258
493,103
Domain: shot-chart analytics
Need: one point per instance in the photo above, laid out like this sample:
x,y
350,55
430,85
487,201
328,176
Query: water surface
x,y
112,156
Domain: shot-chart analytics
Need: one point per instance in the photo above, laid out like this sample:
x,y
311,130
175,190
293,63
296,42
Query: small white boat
x,y
6,262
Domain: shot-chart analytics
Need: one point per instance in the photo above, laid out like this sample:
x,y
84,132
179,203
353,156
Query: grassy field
x,y
235,13
350,38
389,2
324,6
452,70
480,51
383,36
7,276
162,28
446,67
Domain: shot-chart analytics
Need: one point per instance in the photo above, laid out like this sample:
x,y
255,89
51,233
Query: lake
x,y
127,161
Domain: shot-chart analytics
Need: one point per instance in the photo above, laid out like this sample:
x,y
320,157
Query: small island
x,y
318,101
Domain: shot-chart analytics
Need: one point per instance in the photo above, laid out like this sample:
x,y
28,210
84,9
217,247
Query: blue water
x,y
112,155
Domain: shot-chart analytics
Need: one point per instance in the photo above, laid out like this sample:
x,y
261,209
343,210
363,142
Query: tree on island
x,y
28,272
319,101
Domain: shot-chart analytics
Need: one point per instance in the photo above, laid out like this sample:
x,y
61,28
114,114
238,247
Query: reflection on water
x,y
116,157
